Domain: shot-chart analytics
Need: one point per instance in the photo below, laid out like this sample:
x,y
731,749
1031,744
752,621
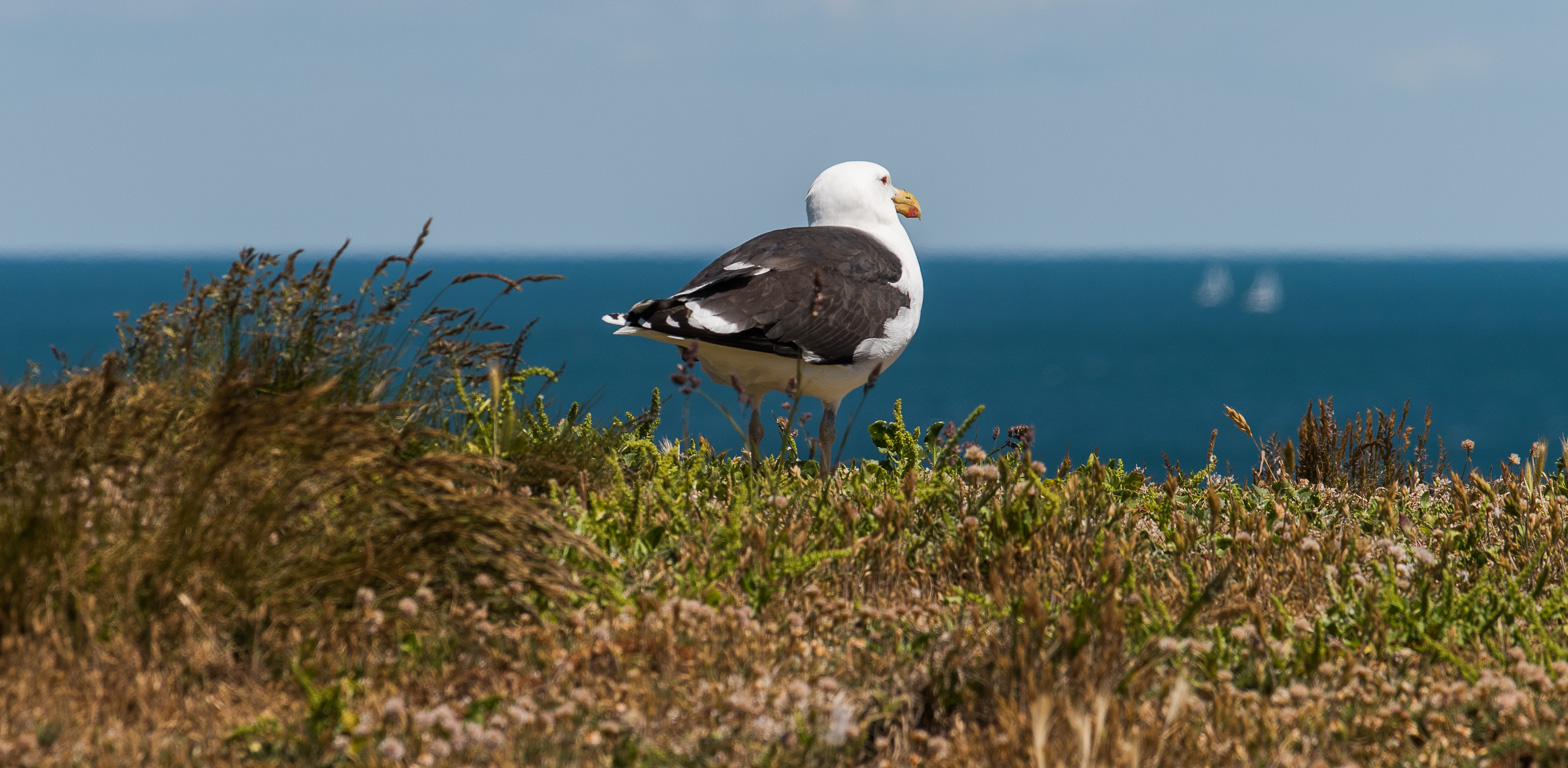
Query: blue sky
x,y
686,124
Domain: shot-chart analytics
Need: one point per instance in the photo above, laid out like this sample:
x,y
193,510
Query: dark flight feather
x,y
805,292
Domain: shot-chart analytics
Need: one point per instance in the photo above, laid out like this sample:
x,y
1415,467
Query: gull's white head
x,y
858,194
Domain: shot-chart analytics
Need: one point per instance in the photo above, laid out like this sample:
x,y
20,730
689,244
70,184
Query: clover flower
x,y
978,472
408,607
392,749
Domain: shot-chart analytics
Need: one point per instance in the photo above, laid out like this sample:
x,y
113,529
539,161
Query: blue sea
x,y
1129,356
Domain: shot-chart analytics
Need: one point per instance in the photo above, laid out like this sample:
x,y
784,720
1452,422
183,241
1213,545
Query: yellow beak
x,y
906,204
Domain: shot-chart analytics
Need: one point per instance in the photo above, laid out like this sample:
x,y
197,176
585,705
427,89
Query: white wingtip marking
x,y
614,319
632,330
702,318
739,265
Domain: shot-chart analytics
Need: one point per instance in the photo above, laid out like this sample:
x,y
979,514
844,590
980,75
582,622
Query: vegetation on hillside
x,y
287,527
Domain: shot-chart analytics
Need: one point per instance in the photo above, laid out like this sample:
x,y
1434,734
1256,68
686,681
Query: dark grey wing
x,y
844,251
806,292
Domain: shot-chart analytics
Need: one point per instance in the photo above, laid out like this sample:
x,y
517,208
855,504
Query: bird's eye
x,y
884,181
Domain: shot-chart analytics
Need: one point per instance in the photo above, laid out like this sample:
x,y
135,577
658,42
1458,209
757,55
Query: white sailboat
x,y
1266,293
1215,288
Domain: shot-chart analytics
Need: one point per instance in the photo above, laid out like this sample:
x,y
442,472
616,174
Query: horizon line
x,y
1434,253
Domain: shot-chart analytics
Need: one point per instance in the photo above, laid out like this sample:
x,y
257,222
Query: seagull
x,y
818,310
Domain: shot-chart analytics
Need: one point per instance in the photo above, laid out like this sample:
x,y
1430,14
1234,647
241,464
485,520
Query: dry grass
x,y
123,501
243,573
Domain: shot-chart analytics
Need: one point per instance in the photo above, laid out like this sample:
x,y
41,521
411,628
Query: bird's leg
x,y
826,434
754,430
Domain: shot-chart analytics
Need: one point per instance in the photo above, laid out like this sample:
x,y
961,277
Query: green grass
x,y
288,527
